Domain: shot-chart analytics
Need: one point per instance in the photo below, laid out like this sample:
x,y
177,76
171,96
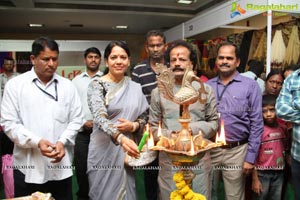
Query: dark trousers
x,y
80,161
150,180
296,177
60,190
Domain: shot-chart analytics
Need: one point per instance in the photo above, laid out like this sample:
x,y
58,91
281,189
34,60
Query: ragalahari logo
x,y
236,10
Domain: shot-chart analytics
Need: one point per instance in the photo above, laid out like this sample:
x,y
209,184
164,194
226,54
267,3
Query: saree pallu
x,y
108,177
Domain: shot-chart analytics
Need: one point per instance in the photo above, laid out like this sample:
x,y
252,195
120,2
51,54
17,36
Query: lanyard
x,y
223,91
47,93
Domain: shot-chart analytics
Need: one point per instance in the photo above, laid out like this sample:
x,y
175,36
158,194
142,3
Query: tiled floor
x,y
141,193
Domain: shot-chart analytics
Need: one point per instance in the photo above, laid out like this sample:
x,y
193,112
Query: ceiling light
x,y
186,1
76,25
121,27
36,25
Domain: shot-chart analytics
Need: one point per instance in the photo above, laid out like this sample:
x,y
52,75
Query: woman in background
x,y
274,82
119,109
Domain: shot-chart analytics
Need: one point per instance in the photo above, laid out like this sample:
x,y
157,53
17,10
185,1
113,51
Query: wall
x,y
135,42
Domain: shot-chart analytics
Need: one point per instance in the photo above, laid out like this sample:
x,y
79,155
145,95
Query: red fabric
x,y
205,50
144,54
8,175
203,78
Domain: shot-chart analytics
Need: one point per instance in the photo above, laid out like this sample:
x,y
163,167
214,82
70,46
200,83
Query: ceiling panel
x,y
96,16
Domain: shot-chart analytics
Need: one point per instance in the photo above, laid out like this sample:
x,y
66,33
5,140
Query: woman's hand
x,y
126,126
130,147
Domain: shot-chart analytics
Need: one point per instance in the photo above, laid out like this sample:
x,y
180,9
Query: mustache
x,y
177,69
224,65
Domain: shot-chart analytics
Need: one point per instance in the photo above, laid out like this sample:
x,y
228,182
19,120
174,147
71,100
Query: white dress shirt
x,y
3,80
29,114
81,83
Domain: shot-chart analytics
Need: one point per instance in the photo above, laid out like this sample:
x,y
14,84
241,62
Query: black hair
x,y
177,43
268,100
292,67
41,43
256,66
156,33
92,50
8,59
275,72
112,44
237,51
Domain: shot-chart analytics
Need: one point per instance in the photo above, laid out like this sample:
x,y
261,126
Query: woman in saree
x,y
119,109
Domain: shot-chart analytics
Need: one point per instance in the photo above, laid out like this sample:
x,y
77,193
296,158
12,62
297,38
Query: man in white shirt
x,y
6,146
92,60
8,73
256,68
41,113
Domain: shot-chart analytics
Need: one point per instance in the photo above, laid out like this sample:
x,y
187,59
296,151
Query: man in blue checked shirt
x,y
288,108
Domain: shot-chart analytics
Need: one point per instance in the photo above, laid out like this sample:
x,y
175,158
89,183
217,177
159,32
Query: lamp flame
x,y
192,151
221,138
159,134
150,141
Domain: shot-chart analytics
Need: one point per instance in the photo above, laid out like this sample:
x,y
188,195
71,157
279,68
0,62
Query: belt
x,y
230,145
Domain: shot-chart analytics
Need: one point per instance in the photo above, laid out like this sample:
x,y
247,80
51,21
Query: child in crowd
x,y
267,178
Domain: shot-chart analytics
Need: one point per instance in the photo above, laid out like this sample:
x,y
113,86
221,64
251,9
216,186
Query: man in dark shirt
x,y
144,74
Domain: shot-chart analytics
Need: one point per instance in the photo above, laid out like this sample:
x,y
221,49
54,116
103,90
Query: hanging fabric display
x,y
236,39
293,49
246,38
261,49
256,36
204,62
278,50
212,50
198,53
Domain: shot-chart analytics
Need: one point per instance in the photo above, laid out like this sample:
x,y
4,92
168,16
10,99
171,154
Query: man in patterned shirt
x,y
288,109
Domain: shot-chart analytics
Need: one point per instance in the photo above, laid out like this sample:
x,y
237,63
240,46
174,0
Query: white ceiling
x,y
96,16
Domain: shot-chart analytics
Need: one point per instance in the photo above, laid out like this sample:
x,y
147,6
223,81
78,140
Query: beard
x,y
93,68
156,57
9,69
